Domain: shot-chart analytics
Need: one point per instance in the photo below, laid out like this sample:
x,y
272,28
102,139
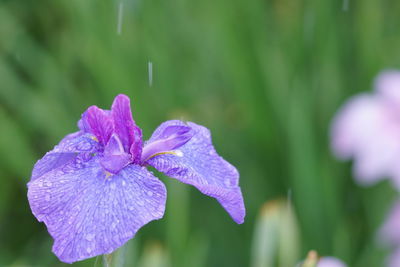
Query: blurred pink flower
x,y
394,259
389,233
330,262
367,129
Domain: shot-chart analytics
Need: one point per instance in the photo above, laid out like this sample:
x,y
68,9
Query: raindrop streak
x,y
345,6
120,14
150,69
289,199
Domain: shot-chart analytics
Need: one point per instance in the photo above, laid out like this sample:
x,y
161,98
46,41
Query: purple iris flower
x,y
93,190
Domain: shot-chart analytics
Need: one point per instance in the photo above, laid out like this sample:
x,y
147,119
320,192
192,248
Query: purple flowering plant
x,y
94,192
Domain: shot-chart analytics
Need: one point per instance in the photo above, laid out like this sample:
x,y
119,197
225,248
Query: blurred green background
x,y
265,76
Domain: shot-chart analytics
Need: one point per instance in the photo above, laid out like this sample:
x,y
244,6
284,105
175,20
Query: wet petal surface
x,y
197,163
64,152
89,213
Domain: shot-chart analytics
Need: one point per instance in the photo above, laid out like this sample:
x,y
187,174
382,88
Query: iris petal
x,y
125,127
99,123
64,152
170,138
89,213
198,164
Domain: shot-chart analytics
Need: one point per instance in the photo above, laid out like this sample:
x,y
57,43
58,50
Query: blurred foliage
x,y
265,76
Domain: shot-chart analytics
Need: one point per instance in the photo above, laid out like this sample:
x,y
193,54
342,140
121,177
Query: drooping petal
x,y
125,127
197,163
64,152
89,213
98,123
115,158
172,137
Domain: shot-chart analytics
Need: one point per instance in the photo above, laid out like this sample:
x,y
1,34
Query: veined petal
x,y
125,127
172,137
197,163
99,123
64,152
89,213
114,158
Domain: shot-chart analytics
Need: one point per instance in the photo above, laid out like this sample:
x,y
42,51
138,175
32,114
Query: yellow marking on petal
x,y
108,174
94,138
173,152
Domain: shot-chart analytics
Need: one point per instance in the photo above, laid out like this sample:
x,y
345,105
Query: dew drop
x,y
131,208
113,225
112,185
178,153
149,193
88,250
90,237
47,197
48,183
128,234
123,183
40,184
227,182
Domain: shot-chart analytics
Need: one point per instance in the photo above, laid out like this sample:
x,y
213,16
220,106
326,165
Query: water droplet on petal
x,y
40,184
123,183
47,197
227,182
112,185
128,234
90,237
48,183
88,250
149,193
178,153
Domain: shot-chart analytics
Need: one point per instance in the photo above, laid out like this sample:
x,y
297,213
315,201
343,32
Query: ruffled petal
x,y
64,152
125,127
198,164
88,212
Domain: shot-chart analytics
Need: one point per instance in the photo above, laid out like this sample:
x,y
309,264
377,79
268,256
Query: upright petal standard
x,y
93,190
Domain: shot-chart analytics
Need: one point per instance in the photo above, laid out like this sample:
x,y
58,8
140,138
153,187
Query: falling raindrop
x,y
345,6
150,69
120,15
